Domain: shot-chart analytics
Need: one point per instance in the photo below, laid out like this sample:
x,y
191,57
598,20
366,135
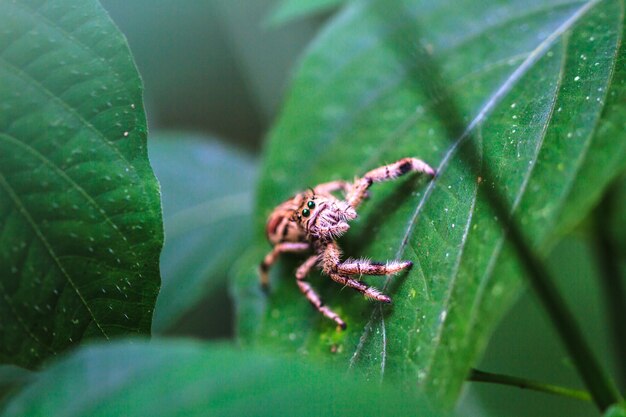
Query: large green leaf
x,y
207,209
191,379
80,217
541,87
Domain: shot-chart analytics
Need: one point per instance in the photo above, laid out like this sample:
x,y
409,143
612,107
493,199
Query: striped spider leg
x,y
311,221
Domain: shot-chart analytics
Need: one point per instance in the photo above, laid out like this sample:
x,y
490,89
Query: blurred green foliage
x,y
290,10
216,69
183,378
207,193
525,343
209,65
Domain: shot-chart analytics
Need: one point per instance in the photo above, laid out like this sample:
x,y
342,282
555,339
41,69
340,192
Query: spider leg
x,y
310,293
369,292
304,269
367,267
271,257
329,187
387,172
331,263
331,259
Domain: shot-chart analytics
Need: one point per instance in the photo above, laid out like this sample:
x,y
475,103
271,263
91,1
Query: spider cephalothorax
x,y
312,220
323,216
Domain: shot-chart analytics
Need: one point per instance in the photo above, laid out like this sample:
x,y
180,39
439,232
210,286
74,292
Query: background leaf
x,y
193,379
11,374
618,410
289,10
207,208
12,378
617,219
80,219
525,344
610,239
541,85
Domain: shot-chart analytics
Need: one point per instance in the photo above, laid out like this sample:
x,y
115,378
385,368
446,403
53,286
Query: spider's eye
x,y
306,212
311,205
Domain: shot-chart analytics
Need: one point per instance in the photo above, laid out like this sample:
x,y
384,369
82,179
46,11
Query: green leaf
x,y
525,344
289,10
609,232
618,410
542,89
11,375
193,379
80,217
12,378
207,208
617,220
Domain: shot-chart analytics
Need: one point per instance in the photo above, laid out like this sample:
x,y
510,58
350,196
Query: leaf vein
x,y
590,139
72,184
491,102
24,212
70,110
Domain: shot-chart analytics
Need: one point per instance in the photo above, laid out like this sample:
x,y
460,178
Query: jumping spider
x,y
314,219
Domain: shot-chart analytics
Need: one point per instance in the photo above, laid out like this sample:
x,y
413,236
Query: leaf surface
x,y
80,216
193,379
541,86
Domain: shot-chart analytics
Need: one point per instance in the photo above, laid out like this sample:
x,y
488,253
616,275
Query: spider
x,y
314,219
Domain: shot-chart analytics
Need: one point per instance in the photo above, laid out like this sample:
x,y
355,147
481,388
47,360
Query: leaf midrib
x,y
412,118
401,76
489,105
511,81
380,40
24,212
570,183
70,37
71,110
34,152
579,161
68,108
495,254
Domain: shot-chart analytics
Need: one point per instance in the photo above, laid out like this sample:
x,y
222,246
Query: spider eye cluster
x,y
306,212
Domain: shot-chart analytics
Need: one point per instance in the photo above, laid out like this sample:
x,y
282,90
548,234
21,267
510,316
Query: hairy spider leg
x,y
369,292
332,263
367,267
329,187
311,295
271,257
387,172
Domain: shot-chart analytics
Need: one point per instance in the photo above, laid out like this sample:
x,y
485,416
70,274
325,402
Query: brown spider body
x,y
314,219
